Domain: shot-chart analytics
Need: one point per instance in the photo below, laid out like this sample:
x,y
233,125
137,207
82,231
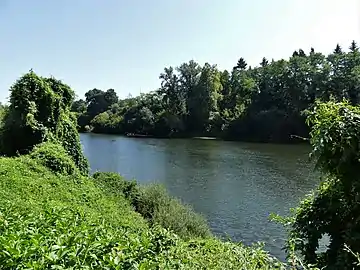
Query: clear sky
x,y
125,44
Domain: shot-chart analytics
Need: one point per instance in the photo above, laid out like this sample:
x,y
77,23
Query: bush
x,y
156,205
54,156
115,183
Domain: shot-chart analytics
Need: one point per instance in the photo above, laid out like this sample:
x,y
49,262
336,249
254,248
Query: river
x,y
234,185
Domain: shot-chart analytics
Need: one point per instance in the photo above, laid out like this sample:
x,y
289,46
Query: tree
x,y
204,99
264,62
173,97
241,64
37,116
3,109
110,97
100,122
96,102
79,106
338,49
264,103
139,120
335,207
302,53
337,85
353,47
188,79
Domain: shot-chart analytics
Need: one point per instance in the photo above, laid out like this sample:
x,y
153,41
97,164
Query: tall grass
x,y
155,204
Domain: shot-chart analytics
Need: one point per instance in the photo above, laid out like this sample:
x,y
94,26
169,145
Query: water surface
x,y
234,185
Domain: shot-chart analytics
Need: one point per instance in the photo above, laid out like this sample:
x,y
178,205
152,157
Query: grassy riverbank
x,y
52,220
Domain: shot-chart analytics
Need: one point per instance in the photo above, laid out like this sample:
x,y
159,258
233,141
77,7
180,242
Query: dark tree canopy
x,y
241,64
79,106
302,53
264,62
353,47
338,49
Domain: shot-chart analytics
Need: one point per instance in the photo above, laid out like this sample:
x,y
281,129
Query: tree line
x,y
263,103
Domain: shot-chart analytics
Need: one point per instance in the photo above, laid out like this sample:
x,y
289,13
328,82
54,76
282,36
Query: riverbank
x,y
294,139
69,220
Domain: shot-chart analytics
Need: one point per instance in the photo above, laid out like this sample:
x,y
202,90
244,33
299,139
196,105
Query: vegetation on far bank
x,y
263,104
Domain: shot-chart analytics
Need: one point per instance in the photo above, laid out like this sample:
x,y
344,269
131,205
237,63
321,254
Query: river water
x,y
234,185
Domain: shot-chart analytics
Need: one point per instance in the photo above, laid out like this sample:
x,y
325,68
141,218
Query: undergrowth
x,y
61,238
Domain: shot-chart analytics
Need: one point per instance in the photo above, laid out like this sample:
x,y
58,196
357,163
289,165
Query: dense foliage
x,y
333,210
264,103
3,109
39,111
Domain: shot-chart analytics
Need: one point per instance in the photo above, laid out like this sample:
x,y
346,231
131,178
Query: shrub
x,y
156,205
115,183
54,156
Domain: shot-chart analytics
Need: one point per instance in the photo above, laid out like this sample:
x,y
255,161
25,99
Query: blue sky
x,y
125,44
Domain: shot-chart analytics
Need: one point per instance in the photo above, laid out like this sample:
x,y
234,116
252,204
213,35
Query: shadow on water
x,y
234,185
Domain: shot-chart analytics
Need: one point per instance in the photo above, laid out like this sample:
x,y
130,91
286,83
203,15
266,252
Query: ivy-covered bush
x,y
54,156
334,208
39,111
